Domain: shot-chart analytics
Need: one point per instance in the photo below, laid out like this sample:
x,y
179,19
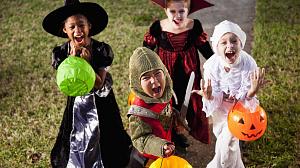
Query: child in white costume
x,y
229,75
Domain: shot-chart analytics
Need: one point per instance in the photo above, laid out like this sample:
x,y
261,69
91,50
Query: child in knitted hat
x,y
94,118
229,75
150,113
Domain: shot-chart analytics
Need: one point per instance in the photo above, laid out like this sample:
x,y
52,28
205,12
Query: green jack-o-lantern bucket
x,y
75,76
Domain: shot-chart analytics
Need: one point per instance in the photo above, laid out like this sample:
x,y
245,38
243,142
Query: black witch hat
x,y
96,15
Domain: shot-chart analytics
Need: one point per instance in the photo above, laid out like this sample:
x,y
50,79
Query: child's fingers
x,y
261,76
172,147
209,83
199,92
85,53
262,73
202,84
209,88
168,149
256,74
252,76
72,51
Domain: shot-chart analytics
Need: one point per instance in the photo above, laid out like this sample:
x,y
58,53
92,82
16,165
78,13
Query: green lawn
x,y
31,106
276,47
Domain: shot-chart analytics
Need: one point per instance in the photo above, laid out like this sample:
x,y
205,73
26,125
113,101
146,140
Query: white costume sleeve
x,y
249,67
209,106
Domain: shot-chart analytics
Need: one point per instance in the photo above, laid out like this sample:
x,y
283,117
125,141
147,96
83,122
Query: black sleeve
x,y
148,46
59,54
153,33
206,50
155,29
102,55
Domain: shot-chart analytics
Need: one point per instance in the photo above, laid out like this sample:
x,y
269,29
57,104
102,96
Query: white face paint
x,y
229,48
177,12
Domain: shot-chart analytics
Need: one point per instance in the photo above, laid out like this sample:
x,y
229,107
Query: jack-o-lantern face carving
x,y
246,125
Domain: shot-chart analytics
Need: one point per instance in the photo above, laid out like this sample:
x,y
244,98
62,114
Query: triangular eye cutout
x,y
241,121
261,118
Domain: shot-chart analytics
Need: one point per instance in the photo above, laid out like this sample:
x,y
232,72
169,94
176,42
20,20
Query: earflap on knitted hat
x,y
226,27
144,60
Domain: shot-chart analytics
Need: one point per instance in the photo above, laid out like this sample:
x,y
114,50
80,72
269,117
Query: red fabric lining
x,y
155,124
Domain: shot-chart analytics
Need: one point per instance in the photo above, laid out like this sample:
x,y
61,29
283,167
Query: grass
x,y
31,107
276,47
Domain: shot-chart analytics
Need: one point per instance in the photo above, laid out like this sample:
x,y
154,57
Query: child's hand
x,y
168,149
257,81
85,54
81,51
75,50
207,91
199,92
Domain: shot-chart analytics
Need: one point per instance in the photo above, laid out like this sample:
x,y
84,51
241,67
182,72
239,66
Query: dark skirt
x,y
112,135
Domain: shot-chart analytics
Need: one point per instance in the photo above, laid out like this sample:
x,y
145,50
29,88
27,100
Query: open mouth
x,y
157,90
230,55
79,39
176,21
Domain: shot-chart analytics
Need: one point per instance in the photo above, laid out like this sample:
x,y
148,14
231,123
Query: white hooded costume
x,y
236,82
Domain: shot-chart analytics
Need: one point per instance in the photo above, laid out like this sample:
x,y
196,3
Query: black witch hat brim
x,y
53,23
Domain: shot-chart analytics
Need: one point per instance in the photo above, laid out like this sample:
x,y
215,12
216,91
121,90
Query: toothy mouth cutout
x,y
252,135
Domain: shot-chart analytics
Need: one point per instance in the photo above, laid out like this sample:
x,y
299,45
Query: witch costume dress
x,y
179,53
91,124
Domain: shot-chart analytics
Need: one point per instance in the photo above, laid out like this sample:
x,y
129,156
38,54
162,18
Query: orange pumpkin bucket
x,y
170,162
247,125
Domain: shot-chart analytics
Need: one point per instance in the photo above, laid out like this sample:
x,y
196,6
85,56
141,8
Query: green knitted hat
x,y
144,60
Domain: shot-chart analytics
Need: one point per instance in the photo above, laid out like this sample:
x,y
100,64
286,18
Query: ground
x,y
199,154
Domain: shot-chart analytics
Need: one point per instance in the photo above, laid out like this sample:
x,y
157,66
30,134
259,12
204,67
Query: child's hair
x,y
186,2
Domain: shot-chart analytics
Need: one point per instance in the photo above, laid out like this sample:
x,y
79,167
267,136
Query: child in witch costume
x,y
230,75
177,40
150,114
91,123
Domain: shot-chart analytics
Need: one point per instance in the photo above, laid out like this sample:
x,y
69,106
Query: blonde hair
x,y
186,2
